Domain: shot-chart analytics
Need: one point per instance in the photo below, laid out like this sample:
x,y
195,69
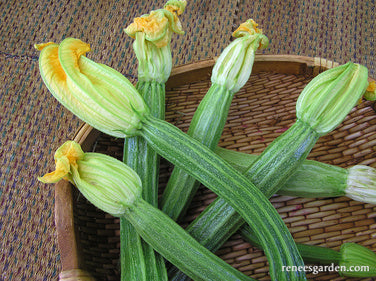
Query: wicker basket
x,y
89,239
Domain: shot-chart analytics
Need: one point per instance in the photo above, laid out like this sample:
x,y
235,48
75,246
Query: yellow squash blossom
x,y
65,156
105,181
371,91
152,33
96,93
159,24
234,65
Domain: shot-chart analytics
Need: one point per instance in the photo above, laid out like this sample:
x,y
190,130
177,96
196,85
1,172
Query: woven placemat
x,y
260,112
336,30
33,124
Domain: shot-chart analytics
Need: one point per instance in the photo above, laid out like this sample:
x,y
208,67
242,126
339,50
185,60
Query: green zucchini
x,y
115,188
221,178
322,106
286,152
230,73
209,120
315,179
137,259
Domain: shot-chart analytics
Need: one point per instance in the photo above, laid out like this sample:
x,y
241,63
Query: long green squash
x,y
322,106
314,179
221,178
137,258
115,188
230,73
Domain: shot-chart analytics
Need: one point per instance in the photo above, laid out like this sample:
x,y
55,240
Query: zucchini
x,y
315,179
200,162
209,121
137,258
322,106
230,73
115,188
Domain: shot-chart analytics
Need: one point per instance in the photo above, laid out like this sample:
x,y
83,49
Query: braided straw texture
x,y
33,124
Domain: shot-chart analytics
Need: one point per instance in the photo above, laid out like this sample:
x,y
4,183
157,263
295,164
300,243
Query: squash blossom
x,y
105,181
361,184
330,96
94,92
152,33
159,24
371,91
234,65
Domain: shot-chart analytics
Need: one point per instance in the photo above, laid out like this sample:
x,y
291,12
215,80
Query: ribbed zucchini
x,y
115,188
138,259
315,179
230,73
322,106
221,178
207,126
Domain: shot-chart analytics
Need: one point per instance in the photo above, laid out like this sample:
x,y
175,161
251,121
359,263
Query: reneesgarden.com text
x,y
315,269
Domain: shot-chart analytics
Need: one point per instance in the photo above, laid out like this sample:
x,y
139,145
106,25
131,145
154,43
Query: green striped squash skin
x,y
282,158
311,254
178,247
139,261
311,180
208,168
206,127
269,171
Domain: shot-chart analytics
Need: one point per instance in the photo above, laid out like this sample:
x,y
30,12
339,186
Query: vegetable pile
x,y
105,99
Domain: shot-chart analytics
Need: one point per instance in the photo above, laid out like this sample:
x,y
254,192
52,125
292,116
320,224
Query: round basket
x,y
88,239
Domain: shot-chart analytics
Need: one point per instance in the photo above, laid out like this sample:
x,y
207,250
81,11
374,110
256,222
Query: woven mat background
x,y
33,124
